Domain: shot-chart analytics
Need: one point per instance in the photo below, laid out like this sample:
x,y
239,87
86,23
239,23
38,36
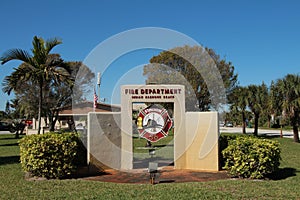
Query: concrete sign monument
x,y
110,134
195,133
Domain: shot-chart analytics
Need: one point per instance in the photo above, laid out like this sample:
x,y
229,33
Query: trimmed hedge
x,y
50,155
250,157
223,144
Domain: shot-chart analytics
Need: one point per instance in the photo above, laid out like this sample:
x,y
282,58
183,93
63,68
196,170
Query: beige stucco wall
x,y
104,140
202,147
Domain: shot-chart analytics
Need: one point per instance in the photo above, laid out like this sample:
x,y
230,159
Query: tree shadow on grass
x,y
163,145
9,138
282,173
9,160
273,135
8,145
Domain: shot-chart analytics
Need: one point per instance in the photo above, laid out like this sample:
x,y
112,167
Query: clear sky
x,y
260,38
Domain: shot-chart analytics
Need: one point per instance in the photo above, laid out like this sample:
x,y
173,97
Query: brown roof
x,y
84,108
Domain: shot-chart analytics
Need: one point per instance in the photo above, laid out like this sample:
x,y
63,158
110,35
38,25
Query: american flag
x,y
95,99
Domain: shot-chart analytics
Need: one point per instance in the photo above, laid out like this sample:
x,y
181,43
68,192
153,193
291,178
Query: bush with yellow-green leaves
x,y
250,157
50,155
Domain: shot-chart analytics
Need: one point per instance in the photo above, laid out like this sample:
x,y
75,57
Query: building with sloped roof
x,y
76,114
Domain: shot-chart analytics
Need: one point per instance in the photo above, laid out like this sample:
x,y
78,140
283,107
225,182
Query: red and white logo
x,y
154,123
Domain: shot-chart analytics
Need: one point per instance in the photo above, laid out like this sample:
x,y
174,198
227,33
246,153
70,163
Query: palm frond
x,y
61,75
38,44
16,54
67,66
38,50
7,88
16,79
9,84
51,43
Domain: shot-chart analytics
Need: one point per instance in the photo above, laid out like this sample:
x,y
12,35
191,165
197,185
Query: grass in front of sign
x,y
139,143
13,185
162,152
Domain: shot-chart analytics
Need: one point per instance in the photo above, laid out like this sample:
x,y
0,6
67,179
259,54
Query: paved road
x,y
270,132
5,132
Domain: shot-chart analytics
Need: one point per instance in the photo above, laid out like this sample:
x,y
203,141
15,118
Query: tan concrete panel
x,y
104,140
202,134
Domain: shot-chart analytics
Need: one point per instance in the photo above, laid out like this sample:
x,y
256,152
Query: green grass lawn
x,y
163,147
14,186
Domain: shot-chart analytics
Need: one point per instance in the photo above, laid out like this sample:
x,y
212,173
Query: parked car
x,y
79,127
229,124
5,126
221,124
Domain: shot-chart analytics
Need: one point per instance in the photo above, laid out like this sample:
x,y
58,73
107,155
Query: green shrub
x,y
226,137
223,144
249,157
50,155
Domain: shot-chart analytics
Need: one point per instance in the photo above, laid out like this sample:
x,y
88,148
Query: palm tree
x,y
289,91
239,101
275,100
40,68
257,102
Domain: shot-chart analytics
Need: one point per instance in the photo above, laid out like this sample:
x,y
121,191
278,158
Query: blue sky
x,y
260,38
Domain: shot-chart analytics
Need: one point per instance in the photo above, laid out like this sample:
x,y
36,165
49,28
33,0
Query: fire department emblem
x,y
154,123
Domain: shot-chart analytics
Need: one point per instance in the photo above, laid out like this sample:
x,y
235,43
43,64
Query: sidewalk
x,y
269,132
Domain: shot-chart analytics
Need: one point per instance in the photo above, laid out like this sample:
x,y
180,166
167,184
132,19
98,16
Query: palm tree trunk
x,y
256,117
52,120
40,108
269,121
296,134
17,134
244,122
295,127
295,124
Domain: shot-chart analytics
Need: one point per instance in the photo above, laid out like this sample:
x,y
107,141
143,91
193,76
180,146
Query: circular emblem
x,y
154,123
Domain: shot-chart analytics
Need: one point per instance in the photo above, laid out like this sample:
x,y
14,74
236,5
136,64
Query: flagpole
x,y
94,103
95,99
99,83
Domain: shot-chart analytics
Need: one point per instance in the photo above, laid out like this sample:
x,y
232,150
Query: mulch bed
x,y
165,175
